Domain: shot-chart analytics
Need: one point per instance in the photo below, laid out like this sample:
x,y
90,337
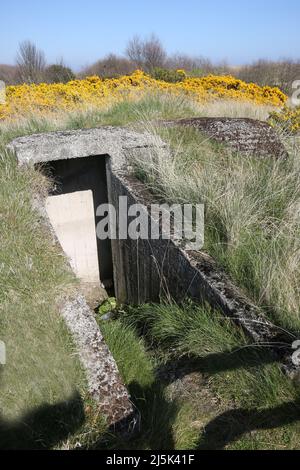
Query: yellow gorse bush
x,y
288,118
94,91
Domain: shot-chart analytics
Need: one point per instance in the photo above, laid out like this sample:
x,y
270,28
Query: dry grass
x,y
157,105
235,109
252,213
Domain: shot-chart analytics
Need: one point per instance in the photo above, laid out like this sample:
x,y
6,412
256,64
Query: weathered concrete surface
x,y
151,269
241,134
104,380
113,141
80,175
105,384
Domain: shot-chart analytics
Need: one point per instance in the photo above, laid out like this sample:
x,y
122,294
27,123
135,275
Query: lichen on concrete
x,y
243,135
105,384
113,141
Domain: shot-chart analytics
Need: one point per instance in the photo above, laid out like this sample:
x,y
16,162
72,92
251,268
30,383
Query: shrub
x,y
78,94
112,66
171,76
288,118
58,73
8,74
264,72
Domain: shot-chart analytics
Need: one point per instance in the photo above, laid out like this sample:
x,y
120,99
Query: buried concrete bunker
x,y
91,167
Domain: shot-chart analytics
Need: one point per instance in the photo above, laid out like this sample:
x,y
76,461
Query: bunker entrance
x,y
80,186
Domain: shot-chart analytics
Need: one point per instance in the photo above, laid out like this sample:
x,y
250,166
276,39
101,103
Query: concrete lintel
x,y
116,142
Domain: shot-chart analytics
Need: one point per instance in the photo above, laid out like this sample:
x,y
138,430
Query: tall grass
x,y
251,213
242,383
235,109
146,107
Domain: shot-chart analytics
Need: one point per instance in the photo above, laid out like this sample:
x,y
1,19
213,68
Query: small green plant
x,y
109,305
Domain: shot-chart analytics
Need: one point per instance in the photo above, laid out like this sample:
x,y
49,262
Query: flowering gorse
x,y
289,118
94,91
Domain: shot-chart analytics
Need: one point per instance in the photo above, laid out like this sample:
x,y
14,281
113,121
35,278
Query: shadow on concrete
x,y
153,430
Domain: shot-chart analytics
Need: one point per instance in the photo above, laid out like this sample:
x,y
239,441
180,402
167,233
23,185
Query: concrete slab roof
x,y
116,142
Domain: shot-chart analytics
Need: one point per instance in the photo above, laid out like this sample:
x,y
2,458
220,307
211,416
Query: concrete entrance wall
x,y
72,216
66,154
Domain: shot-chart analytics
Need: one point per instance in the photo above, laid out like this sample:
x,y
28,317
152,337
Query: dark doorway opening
x,y
83,174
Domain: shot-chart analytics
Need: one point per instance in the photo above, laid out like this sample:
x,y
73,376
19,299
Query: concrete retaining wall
x,y
149,269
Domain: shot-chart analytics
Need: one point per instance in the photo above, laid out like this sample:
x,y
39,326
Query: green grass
x,y
42,368
246,402
153,107
137,367
193,331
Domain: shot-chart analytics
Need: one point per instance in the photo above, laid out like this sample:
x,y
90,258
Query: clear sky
x,y
83,31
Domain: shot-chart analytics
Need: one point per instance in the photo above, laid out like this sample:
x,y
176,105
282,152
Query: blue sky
x,y
83,31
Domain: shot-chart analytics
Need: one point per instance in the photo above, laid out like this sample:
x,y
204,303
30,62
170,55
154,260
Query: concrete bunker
x,y
141,268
